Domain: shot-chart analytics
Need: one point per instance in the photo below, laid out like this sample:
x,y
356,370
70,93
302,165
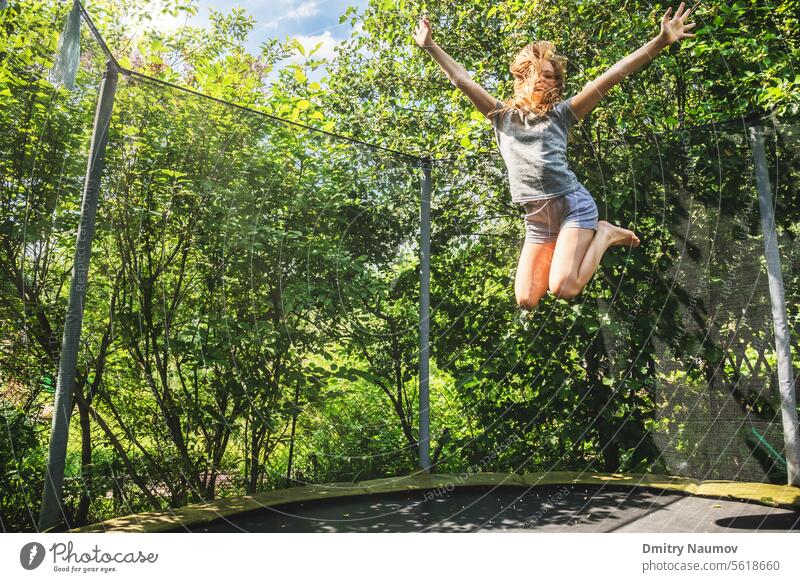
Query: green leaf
x,y
315,49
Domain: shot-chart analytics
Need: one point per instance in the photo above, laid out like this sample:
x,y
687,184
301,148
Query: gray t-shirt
x,y
535,152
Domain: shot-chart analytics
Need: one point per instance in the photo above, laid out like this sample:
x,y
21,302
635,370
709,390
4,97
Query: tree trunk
x,y
81,515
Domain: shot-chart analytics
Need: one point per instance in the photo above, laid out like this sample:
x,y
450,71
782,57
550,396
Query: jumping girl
x,y
564,241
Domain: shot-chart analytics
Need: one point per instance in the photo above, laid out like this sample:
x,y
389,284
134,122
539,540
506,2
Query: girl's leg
x,y
533,272
578,252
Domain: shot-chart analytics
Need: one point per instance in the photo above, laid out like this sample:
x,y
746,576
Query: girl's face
x,y
546,80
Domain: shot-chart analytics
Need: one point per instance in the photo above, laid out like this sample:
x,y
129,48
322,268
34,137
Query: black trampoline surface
x,y
567,508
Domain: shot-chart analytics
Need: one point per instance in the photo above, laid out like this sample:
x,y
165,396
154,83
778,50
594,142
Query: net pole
x,y
777,299
52,496
424,318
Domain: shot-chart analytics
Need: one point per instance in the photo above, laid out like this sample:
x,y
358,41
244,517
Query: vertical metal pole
x,y
779,320
51,510
424,318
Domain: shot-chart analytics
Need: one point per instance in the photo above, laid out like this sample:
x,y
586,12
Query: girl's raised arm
x,y
672,30
457,74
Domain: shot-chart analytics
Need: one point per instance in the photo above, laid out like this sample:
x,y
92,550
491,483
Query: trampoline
x,y
496,502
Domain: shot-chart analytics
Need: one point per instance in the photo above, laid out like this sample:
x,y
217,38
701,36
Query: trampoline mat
x,y
567,508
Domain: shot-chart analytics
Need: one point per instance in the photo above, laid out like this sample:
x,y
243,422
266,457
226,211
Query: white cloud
x,y
305,10
309,42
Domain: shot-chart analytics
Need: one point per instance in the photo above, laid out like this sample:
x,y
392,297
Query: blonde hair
x,y
526,69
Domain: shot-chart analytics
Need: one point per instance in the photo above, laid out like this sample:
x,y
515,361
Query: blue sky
x,y
309,21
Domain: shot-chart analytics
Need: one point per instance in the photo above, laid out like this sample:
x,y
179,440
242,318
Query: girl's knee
x,y
528,302
565,288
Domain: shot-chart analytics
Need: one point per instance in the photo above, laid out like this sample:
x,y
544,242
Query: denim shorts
x,y
545,218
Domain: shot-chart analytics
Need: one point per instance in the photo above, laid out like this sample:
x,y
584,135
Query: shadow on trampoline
x,y
568,508
768,522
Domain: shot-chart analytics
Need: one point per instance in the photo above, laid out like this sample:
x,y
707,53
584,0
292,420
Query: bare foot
x,y
618,236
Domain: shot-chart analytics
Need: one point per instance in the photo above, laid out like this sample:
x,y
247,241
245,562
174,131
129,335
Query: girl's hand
x,y
423,33
673,30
